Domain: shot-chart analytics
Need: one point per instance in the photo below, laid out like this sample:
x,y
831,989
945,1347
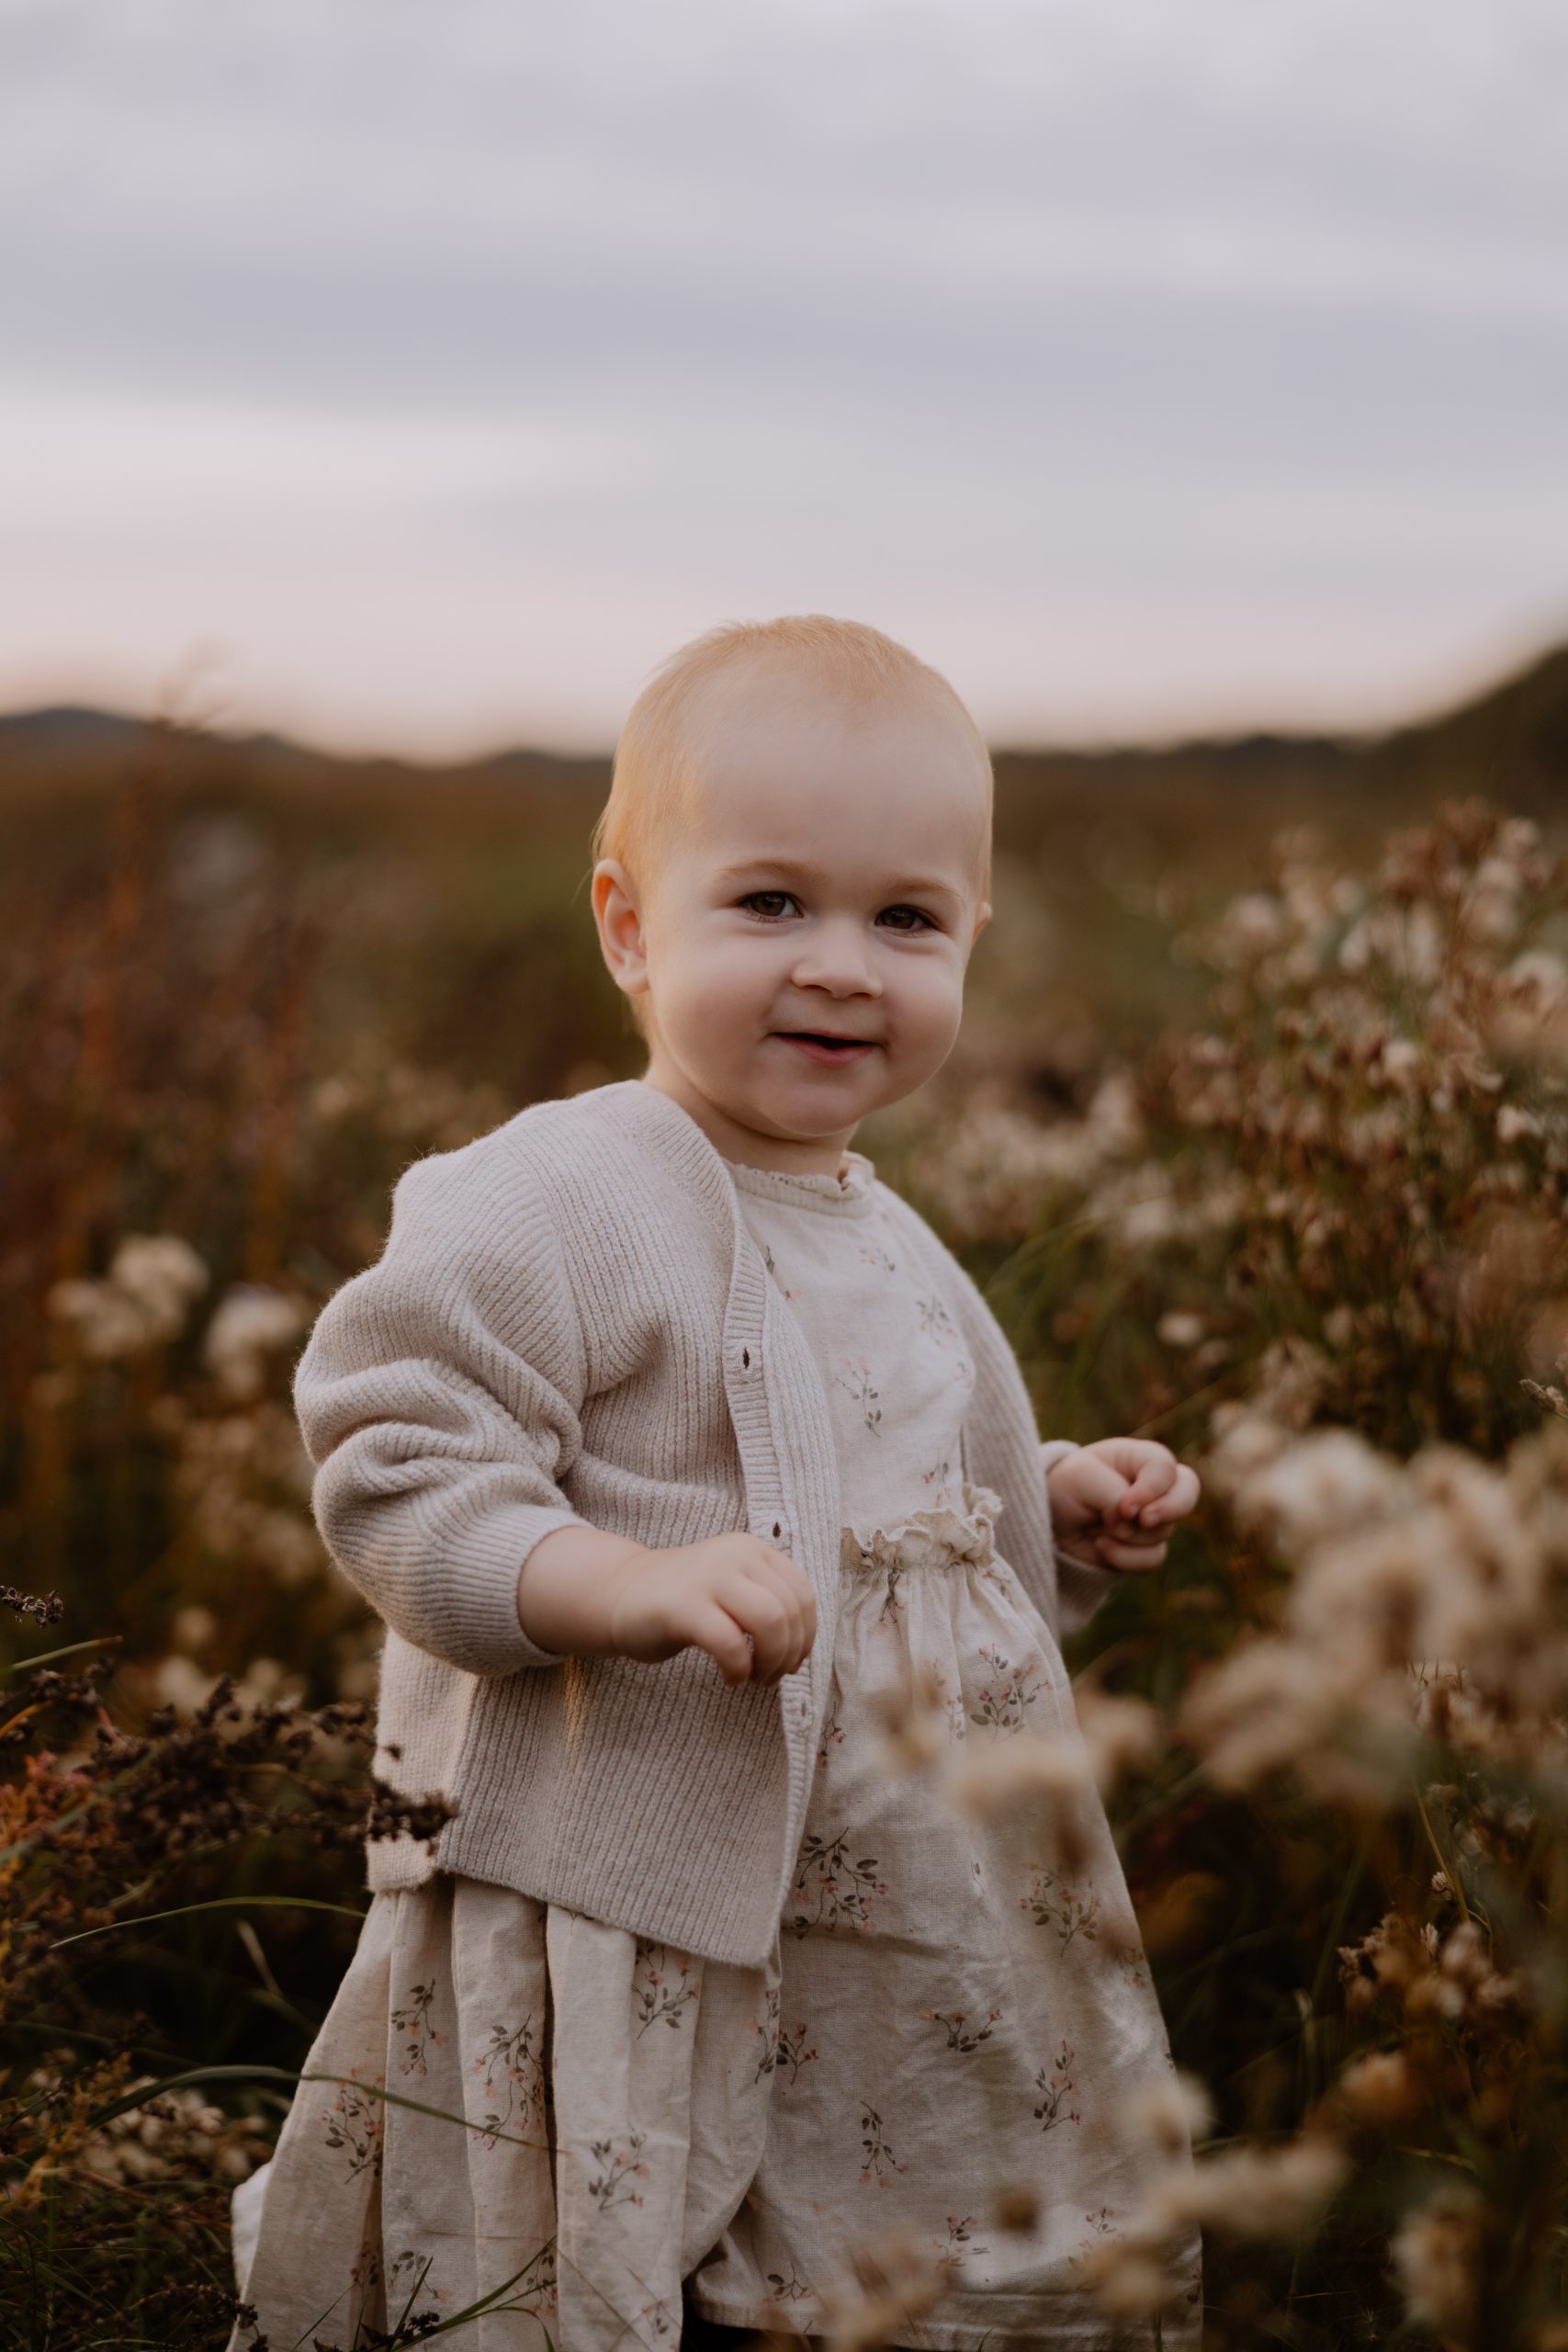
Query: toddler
x,y
675,1449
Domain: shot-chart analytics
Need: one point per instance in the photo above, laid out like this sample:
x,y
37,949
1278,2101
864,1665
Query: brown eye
x,y
768,905
906,919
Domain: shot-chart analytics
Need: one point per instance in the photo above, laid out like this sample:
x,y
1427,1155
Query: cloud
x,y
1242,310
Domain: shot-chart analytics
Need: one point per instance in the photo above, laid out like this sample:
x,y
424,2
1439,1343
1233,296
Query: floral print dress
x,y
518,2107
959,2012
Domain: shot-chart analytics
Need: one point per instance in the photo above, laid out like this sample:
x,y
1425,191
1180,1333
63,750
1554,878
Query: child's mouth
x,y
818,1046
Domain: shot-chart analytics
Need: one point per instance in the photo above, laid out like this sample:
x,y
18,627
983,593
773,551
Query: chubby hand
x,y
1112,1502
592,1594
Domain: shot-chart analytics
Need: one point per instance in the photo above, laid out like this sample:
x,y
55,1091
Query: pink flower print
x,y
1102,2225
872,1253
1056,1904
618,2167
832,1737
367,2271
939,1478
880,2163
514,2070
768,1262
830,1891
1006,1696
414,2019
950,2251
354,2122
766,2028
854,1378
793,2289
781,2049
658,2000
961,2035
792,2053
406,2280
936,1323
1055,2087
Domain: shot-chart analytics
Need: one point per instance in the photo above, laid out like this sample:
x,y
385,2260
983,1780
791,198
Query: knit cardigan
x,y
570,1323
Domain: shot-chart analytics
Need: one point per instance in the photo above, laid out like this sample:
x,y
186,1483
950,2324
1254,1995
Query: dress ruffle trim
x,y
927,1539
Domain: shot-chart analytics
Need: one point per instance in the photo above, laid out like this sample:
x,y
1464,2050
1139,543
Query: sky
x,y
417,374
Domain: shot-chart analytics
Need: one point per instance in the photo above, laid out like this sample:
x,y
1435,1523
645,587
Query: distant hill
x,y
1510,743
1514,736
1522,723
64,727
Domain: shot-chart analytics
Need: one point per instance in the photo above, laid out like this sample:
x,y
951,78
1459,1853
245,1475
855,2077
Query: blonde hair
x,y
657,764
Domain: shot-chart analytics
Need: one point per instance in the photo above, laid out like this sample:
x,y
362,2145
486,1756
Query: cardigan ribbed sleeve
x,y
438,1397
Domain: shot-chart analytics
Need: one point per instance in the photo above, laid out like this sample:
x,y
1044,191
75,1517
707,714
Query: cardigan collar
x,y
677,1135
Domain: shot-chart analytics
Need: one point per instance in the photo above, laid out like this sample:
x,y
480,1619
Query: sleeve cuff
x,y
1080,1588
481,1566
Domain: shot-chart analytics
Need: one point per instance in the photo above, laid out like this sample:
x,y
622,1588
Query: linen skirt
x,y
572,2114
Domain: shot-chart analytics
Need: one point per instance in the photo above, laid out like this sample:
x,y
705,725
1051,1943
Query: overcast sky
x,y
429,368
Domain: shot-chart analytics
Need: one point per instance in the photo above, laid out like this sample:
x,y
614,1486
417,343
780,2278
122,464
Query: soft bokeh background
x,y
383,391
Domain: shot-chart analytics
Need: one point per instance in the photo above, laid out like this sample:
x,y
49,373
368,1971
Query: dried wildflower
x,y
1173,2111
1018,2207
1127,2280
244,1481
251,1326
1390,1958
1251,2192
153,1281
1422,1602
897,2281
914,1719
193,1628
44,1608
1119,1733
1181,1328
180,1684
1551,1398
171,2137
990,1170
1382,2089
1438,2252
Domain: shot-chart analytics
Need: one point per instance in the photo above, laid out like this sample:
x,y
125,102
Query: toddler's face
x,y
802,943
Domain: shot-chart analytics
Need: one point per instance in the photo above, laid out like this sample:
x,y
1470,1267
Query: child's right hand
x,y
591,1595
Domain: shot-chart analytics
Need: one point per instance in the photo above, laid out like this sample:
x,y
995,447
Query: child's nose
x,y
836,958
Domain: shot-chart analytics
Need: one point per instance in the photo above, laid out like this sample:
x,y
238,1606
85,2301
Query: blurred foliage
x,y
1256,1136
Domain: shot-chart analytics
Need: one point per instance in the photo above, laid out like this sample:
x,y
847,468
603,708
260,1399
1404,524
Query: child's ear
x,y
620,926
981,917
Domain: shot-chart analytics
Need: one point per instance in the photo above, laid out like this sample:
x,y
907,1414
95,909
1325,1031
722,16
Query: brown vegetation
x,y
1260,1138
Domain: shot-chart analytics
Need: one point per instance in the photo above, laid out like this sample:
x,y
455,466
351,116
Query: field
x,y
1257,1136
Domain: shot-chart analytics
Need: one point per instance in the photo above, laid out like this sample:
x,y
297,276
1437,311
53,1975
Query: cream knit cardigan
x,y
568,1323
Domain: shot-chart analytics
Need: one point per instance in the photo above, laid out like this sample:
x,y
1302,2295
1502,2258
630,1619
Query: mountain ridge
x,y
1522,717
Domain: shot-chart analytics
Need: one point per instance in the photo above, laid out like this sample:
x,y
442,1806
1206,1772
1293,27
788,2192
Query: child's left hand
x,y
1112,1502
